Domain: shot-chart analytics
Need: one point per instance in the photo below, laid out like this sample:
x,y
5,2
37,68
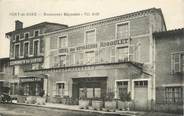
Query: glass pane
x,y
89,92
97,92
90,37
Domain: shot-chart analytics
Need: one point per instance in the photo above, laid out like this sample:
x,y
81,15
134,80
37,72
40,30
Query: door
x,y
141,95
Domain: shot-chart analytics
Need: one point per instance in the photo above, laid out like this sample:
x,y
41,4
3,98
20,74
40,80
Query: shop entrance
x,y
141,95
32,86
89,87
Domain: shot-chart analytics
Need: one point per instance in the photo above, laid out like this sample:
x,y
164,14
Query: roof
x,y
174,32
5,58
36,25
129,15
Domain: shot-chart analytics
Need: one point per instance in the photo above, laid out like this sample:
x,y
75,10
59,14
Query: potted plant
x,y
97,103
110,103
125,102
83,100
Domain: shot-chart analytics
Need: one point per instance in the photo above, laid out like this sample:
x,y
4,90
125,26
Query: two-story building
x,y
27,53
108,55
169,69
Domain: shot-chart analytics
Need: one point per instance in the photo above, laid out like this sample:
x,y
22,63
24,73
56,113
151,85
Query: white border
x,y
35,31
28,35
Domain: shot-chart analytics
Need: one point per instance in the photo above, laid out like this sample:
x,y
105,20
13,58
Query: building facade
x,y
92,59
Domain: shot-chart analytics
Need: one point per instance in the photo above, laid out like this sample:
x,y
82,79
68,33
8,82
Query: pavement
x,y
116,113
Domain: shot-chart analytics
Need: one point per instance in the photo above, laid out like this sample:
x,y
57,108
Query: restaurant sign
x,y
26,61
30,79
95,45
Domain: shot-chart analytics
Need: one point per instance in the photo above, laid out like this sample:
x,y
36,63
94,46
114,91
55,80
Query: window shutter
x,y
172,64
112,53
96,56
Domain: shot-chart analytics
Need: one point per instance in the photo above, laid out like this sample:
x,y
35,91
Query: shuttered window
x,y
122,31
90,37
177,62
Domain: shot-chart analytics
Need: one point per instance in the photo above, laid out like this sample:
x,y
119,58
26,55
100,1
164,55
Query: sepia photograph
x,y
92,58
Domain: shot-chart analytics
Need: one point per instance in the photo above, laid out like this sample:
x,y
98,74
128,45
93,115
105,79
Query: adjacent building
x,y
169,68
27,53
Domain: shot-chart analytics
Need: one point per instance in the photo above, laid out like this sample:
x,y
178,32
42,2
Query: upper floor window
x,y
90,57
122,54
177,62
26,49
62,60
53,43
122,31
36,33
90,36
36,47
62,41
17,50
26,35
17,37
79,58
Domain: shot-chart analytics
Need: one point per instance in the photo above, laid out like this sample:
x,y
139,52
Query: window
x,y
26,35
122,88
53,43
62,60
62,41
122,31
17,50
36,47
36,33
90,92
72,59
90,57
173,94
177,62
79,58
17,37
141,83
122,54
90,37
60,87
26,49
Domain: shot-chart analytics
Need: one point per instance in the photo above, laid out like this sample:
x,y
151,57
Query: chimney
x,y
18,25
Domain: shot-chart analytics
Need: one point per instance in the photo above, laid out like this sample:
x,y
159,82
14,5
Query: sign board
x,y
26,61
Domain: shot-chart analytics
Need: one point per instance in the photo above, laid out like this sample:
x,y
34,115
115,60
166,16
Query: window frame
x,y
14,40
35,32
120,23
66,41
173,63
85,36
116,52
28,48
25,35
38,50
19,50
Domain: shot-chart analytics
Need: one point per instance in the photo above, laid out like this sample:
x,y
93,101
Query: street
x,y
21,110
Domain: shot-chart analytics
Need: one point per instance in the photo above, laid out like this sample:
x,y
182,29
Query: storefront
x,y
89,87
31,86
